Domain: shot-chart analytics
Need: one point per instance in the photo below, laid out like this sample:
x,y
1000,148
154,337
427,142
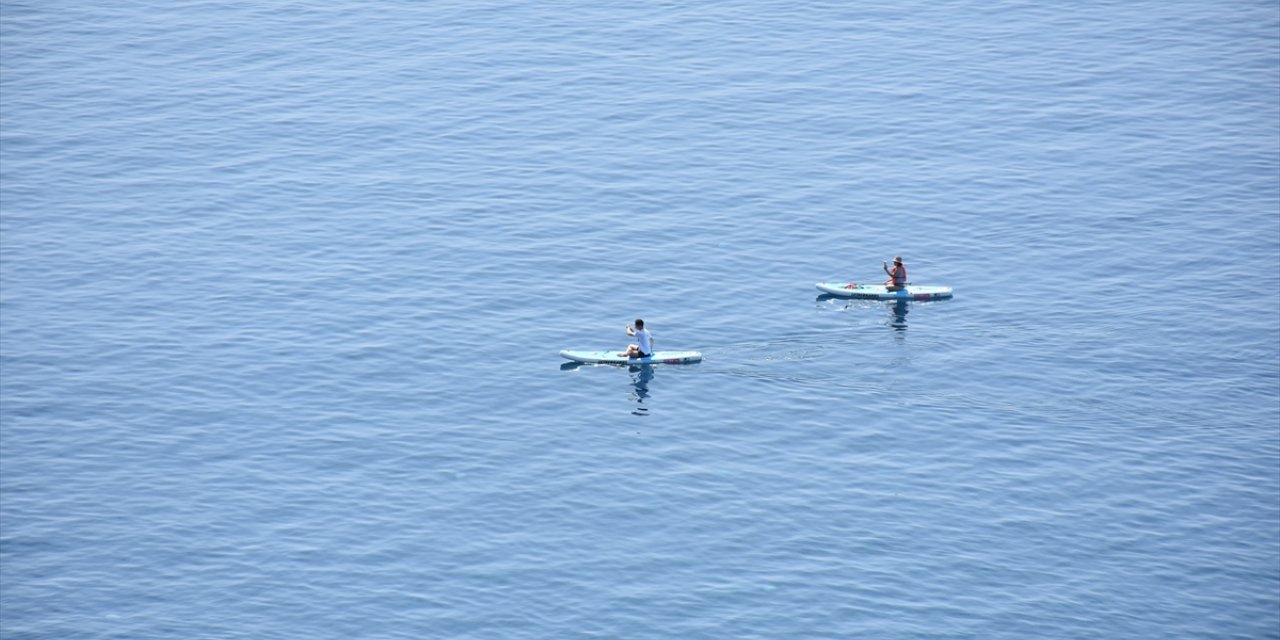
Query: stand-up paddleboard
x,y
879,292
612,357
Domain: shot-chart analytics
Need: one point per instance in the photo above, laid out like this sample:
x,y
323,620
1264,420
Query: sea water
x,y
284,286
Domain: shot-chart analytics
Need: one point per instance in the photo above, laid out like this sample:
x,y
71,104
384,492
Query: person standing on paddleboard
x,y
897,277
642,335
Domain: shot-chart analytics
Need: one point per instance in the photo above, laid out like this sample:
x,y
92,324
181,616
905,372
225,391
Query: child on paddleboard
x,y
897,277
642,335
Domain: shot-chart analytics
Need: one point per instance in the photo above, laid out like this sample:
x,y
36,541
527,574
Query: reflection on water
x,y
898,311
641,375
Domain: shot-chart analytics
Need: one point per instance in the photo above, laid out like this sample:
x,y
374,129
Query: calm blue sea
x,y
284,286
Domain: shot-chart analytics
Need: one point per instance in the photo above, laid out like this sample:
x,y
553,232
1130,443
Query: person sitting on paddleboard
x,y
645,348
897,277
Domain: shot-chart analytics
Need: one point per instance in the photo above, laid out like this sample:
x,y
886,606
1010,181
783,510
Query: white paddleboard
x,y
879,292
612,357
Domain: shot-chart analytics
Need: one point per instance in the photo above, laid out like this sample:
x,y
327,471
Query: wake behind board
x,y
878,291
612,357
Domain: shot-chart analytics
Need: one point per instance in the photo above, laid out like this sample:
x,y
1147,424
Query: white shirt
x,y
644,340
